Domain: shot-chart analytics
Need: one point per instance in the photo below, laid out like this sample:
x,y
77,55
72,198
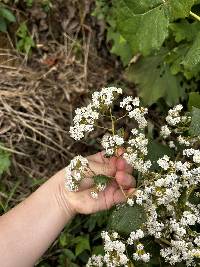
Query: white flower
x,y
74,172
165,131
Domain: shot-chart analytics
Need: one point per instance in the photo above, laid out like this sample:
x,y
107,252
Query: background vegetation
x,y
52,53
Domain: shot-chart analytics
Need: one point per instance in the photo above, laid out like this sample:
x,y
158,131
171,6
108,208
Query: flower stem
x,y
113,123
195,15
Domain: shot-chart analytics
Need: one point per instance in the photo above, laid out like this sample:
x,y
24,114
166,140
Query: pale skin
x,y
27,230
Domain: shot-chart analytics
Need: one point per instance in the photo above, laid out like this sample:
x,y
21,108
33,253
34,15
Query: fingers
x,y
108,169
96,168
122,165
119,196
124,179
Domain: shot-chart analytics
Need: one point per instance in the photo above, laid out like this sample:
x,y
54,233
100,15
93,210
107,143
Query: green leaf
x,y
3,25
155,80
120,47
192,58
195,123
7,14
194,100
4,160
101,179
156,151
82,243
178,8
127,219
144,32
184,30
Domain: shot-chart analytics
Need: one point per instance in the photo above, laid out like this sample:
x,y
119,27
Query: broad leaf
x,y
178,8
194,100
144,24
184,30
155,80
144,32
120,47
192,58
195,123
156,151
127,219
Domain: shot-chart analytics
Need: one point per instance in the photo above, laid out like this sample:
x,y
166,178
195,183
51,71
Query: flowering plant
x,y
159,224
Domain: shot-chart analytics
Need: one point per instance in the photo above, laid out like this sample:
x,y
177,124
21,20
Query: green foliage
x,y
194,100
127,219
4,160
156,151
195,123
101,179
6,17
168,39
155,80
25,42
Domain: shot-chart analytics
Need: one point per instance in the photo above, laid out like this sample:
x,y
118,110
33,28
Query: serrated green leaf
x,y
178,8
194,100
4,160
184,30
155,80
7,14
82,243
127,219
144,32
195,123
192,58
120,47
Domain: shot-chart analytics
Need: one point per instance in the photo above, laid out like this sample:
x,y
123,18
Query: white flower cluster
x,y
192,152
136,150
111,142
85,117
74,172
134,111
173,117
165,191
115,252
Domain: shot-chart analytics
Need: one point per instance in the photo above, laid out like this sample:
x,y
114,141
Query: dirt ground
x,y
39,92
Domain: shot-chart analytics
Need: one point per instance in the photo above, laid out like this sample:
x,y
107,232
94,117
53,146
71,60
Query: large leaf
x,y
127,219
178,8
192,58
194,100
144,32
195,123
144,24
184,30
120,47
155,80
156,151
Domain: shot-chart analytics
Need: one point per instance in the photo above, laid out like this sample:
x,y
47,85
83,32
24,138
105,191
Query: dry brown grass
x,y
37,102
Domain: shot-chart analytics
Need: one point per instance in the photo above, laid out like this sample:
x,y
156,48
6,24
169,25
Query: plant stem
x,y
195,15
164,241
113,123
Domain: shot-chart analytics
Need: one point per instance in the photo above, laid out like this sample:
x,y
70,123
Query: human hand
x,y
122,184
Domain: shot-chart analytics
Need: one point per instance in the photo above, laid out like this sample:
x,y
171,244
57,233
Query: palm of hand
x,y
122,184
